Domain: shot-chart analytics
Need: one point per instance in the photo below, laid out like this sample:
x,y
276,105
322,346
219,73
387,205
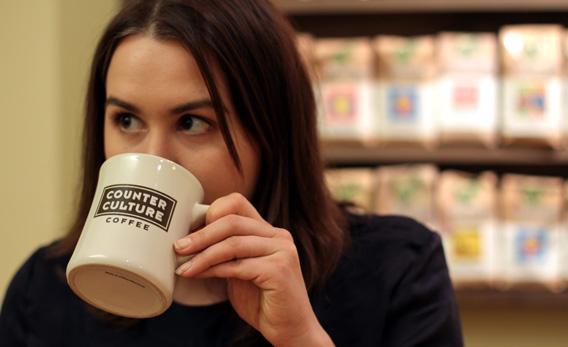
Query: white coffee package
x,y
343,59
563,239
405,90
407,190
532,86
352,185
344,73
467,88
346,112
532,210
467,219
564,116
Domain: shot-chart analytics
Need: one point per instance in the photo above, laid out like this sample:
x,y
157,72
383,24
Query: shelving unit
x,y
353,154
521,316
530,161
341,6
341,18
519,297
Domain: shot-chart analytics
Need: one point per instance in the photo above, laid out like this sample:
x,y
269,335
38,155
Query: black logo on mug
x,y
139,202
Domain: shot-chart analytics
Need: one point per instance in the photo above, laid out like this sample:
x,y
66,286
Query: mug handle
x,y
198,215
197,220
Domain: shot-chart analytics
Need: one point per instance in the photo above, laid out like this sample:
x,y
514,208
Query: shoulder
x,y
392,279
42,263
35,299
395,233
387,249
41,277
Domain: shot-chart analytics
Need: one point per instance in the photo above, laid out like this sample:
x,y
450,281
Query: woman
x,y
218,87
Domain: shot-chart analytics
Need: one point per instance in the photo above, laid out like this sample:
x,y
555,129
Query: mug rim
x,y
143,156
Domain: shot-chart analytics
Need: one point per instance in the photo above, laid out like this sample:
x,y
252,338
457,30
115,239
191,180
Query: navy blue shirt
x,y
391,288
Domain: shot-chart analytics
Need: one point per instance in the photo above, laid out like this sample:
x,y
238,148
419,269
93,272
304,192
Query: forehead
x,y
155,74
142,62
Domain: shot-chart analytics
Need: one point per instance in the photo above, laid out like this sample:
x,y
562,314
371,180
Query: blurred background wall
x,y
44,61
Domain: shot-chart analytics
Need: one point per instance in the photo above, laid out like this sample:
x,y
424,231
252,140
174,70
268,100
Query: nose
x,y
159,143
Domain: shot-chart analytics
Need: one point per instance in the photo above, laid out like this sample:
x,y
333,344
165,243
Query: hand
x,y
262,268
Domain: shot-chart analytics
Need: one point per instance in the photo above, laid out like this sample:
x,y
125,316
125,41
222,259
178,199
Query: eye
x,y
128,122
193,125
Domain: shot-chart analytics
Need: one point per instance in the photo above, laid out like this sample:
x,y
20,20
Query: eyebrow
x,y
188,106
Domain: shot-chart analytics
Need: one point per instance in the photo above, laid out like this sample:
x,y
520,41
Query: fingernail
x,y
182,243
183,268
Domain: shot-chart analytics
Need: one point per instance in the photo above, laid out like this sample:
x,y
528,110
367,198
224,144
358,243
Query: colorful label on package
x,y
467,45
465,97
467,192
403,104
531,101
406,189
467,244
532,195
347,192
341,107
405,51
530,245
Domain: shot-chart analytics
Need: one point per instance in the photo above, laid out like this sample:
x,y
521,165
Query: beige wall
x,y
45,48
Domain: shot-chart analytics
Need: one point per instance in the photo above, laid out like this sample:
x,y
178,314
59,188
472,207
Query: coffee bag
x,y
405,90
344,75
532,88
355,186
467,86
532,210
467,218
407,190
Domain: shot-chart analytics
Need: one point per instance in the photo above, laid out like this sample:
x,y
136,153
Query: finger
x,y
234,203
237,269
264,272
227,226
232,248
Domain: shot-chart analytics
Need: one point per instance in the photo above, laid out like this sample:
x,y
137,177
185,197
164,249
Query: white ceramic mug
x,y
124,262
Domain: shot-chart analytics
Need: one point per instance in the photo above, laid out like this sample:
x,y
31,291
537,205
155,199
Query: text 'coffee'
x,y
138,202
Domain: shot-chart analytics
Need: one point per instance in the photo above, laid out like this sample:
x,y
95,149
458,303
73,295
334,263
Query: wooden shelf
x,y
354,6
353,154
519,297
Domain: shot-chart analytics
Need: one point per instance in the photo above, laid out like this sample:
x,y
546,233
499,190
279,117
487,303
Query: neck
x,y
200,292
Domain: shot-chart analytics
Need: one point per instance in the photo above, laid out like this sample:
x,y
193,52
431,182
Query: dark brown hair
x,y
252,47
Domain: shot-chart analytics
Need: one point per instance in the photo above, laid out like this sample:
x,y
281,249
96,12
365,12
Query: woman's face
x,y
157,103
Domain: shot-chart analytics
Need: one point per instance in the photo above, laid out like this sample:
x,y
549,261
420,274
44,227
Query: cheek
x,y
218,184
250,164
108,143
112,144
219,180
219,176
115,143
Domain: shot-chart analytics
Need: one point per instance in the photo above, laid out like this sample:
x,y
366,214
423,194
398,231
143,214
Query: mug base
x,y
117,291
